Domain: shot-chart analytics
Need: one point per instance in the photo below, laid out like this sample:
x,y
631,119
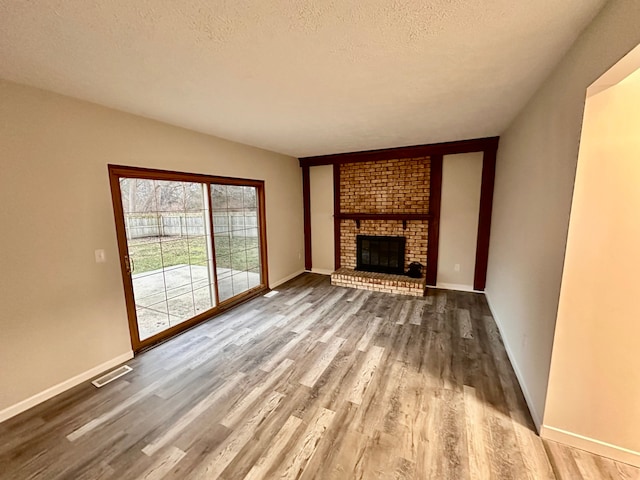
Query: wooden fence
x,y
236,224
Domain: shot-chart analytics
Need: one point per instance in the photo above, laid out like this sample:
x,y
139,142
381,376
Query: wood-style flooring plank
x,y
281,354
163,465
416,313
295,462
317,369
372,329
242,406
184,421
331,332
371,364
316,382
296,300
464,323
617,470
215,463
274,455
123,406
479,462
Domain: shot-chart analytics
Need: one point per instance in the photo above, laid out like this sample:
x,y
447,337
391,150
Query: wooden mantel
x,y
383,216
402,217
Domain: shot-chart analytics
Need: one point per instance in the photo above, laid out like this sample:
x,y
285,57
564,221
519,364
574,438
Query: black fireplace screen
x,y
380,254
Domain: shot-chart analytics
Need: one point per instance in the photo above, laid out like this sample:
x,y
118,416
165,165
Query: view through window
x,y
176,271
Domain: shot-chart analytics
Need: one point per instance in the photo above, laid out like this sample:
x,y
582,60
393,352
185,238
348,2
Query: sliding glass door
x,y
237,239
174,274
167,238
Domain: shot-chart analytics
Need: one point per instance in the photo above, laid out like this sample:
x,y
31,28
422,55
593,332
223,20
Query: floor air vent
x,y
271,293
111,376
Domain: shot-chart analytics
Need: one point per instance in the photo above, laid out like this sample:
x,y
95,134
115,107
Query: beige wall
x,y
534,183
594,385
63,314
322,241
460,205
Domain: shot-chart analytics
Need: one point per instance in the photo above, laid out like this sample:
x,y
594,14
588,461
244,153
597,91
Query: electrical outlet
x,y
456,267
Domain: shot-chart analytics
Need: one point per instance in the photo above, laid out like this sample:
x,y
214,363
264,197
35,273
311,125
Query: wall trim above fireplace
x,y
429,150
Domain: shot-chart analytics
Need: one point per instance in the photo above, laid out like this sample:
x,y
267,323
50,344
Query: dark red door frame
x,y
484,216
306,195
433,237
336,215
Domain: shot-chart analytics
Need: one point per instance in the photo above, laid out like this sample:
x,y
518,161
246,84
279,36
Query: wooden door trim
x,y
121,235
337,252
213,245
118,171
484,218
171,175
306,199
262,225
433,235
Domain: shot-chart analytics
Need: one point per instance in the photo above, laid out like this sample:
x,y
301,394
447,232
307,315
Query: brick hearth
x,y
379,282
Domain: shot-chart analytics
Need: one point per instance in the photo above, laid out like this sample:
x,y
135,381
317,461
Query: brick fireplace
x,y
383,198
397,191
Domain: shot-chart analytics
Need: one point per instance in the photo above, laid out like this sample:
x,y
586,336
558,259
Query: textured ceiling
x,y
304,77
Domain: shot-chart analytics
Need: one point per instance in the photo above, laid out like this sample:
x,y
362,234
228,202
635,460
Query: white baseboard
x,y
286,279
51,392
592,445
321,271
457,287
535,415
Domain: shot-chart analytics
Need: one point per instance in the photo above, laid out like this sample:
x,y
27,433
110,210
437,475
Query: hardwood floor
x,y
316,382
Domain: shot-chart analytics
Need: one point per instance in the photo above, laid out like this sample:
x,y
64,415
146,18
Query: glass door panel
x,y
167,231
237,239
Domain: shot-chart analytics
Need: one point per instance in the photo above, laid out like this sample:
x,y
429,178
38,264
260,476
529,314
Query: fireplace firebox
x,y
380,254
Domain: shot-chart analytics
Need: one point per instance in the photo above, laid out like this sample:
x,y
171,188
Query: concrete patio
x,y
171,295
